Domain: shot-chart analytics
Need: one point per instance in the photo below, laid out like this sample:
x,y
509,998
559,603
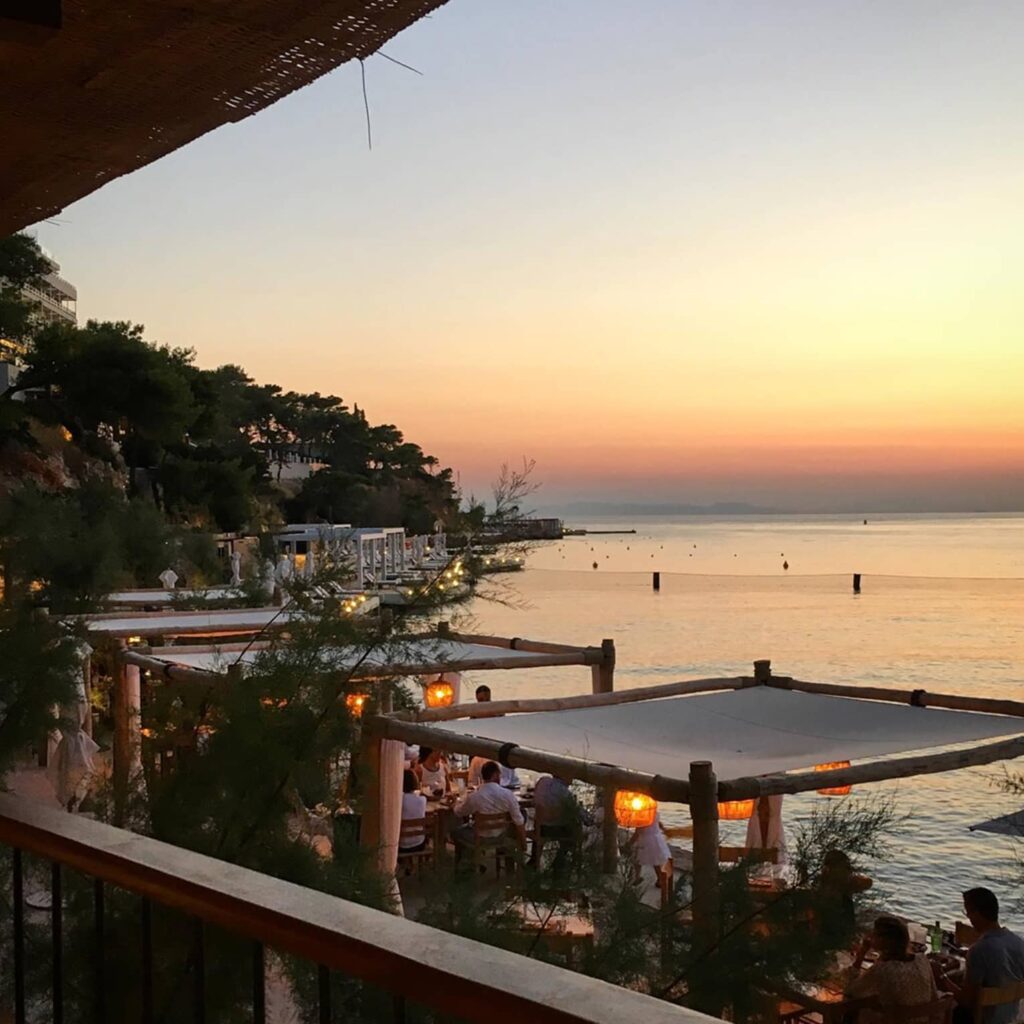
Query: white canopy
x,y
230,620
404,658
755,731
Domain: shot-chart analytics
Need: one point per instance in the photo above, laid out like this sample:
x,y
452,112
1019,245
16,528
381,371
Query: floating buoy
x,y
595,565
785,565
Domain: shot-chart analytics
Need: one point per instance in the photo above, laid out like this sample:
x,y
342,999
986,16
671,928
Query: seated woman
x,y
414,807
900,978
432,772
837,884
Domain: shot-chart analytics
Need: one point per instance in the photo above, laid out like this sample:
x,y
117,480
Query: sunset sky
x,y
672,250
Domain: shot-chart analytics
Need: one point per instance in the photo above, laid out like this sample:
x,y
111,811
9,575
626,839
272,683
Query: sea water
x,y
941,607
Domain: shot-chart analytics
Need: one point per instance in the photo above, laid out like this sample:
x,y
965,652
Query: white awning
x,y
403,658
756,731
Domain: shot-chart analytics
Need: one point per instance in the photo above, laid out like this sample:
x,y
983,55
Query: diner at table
x,y
414,808
432,771
508,777
994,961
491,797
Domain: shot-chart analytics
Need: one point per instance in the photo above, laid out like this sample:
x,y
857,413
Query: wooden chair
x,y
491,834
415,828
1000,996
937,1011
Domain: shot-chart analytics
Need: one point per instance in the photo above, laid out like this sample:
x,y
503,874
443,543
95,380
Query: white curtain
x,y
392,766
775,839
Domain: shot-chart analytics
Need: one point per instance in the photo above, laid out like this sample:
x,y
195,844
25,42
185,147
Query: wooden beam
x,y
519,643
875,771
661,787
609,832
917,698
497,708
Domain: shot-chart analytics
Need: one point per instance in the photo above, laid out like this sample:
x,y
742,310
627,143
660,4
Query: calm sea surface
x,y
941,607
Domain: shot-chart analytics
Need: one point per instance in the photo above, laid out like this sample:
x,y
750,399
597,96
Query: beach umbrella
x,y
1007,825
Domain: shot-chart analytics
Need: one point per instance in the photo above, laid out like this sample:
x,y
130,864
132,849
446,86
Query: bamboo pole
x,y
369,784
661,787
918,698
522,644
121,753
704,796
495,709
875,771
609,832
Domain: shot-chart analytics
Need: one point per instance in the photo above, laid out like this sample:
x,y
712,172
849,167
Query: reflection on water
x,y
959,635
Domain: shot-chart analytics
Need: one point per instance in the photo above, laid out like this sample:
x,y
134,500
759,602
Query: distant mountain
x,y
616,508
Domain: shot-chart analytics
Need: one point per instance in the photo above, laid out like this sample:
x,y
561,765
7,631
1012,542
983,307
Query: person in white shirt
x,y
414,807
508,779
432,772
490,798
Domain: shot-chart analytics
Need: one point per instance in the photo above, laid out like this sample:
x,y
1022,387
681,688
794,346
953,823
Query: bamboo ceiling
x,y
123,82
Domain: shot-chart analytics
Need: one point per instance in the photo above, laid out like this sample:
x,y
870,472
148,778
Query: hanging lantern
x,y
439,694
735,810
634,810
355,703
834,790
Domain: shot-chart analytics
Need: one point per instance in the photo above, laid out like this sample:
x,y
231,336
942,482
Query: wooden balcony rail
x,y
445,973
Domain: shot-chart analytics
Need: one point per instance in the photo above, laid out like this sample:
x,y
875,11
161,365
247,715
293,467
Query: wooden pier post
x,y
704,812
656,581
762,671
856,582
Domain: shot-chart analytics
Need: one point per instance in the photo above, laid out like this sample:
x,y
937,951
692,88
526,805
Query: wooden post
x,y
121,755
610,832
369,786
87,684
856,582
762,671
603,674
704,811
444,629
656,581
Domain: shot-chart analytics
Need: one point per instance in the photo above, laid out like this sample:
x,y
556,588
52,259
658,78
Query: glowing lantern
x,y
439,694
833,766
355,702
736,810
634,810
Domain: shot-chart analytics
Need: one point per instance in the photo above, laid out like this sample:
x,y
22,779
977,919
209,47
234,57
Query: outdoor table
x,y
561,932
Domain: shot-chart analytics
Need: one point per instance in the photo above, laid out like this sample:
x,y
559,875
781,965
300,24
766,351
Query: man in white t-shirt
x,y
490,798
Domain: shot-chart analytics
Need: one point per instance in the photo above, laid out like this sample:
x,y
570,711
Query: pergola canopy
x,y
412,656
106,87
755,731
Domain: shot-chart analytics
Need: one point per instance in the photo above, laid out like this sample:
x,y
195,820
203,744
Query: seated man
x,y
490,798
996,959
509,779
557,815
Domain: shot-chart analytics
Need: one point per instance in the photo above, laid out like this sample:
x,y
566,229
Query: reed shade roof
x,y
125,82
423,656
755,731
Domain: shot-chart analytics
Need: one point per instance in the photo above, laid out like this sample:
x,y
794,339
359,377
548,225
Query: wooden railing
x,y
445,973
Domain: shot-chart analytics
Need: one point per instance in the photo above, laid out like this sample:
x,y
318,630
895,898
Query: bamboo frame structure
x,y
701,790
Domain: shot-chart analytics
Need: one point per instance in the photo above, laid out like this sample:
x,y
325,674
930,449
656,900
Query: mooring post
x,y
856,582
762,671
656,581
